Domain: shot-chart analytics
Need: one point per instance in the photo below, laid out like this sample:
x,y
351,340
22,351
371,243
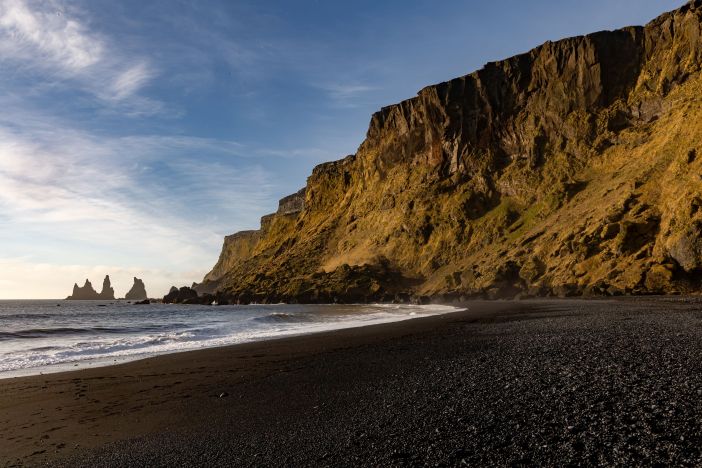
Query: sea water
x,y
50,336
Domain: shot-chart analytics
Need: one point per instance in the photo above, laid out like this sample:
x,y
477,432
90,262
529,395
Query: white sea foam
x,y
90,337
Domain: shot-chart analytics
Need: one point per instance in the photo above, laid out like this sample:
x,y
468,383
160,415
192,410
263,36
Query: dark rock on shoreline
x,y
176,295
186,295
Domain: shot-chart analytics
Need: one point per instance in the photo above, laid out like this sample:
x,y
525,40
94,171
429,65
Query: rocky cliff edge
x,y
572,169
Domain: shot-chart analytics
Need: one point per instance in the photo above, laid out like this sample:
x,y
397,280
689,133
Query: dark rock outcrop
x,y
567,170
107,293
179,296
87,292
138,291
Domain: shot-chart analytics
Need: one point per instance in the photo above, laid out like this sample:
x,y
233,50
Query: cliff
x,y
137,292
86,292
571,169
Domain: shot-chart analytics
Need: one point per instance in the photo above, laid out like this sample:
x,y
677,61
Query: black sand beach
x,y
549,382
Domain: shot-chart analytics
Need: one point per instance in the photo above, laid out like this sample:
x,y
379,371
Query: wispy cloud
x,y
41,32
346,91
346,94
64,174
311,153
51,42
131,202
131,80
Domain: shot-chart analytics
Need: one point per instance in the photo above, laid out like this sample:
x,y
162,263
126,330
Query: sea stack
x,y
83,293
138,291
88,293
107,291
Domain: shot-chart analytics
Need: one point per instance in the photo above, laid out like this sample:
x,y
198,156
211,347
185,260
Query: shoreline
x,y
430,310
438,389
63,404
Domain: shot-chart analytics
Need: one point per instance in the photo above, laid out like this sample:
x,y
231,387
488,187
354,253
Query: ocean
x,y
56,335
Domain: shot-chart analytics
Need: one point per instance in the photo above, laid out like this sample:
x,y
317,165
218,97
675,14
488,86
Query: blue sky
x,y
134,135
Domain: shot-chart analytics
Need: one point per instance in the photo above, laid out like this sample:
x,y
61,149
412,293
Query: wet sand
x,y
530,382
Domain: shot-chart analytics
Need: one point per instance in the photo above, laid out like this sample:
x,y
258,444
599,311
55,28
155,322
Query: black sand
x,y
506,383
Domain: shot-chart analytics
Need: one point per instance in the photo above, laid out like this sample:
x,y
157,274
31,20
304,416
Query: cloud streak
x,y
32,30
131,80
50,42
129,202
72,175
347,95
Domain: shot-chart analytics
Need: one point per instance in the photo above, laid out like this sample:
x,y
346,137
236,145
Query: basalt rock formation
x,y
572,169
88,293
138,291
183,295
107,292
186,295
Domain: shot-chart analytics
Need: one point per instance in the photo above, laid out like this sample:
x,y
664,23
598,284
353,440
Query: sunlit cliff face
x,y
568,170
